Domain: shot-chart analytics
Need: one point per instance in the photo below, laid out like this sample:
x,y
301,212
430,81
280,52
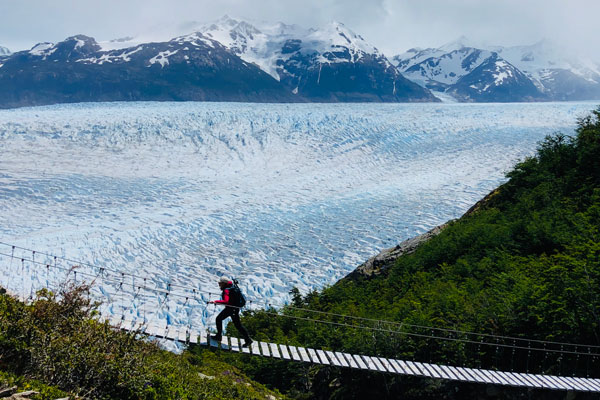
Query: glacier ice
x,y
277,195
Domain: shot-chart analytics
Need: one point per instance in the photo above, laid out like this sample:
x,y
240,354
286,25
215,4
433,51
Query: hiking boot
x,y
216,338
247,343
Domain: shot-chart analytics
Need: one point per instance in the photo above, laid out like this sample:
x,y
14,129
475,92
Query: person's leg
x,y
219,322
235,317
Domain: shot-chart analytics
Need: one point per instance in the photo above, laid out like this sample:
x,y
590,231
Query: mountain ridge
x,y
556,75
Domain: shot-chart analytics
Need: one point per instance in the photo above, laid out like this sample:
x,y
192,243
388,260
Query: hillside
x,y
56,348
525,262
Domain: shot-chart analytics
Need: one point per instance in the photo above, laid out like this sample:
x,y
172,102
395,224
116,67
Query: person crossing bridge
x,y
233,300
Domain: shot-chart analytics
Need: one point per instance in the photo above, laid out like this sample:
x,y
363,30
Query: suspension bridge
x,y
136,303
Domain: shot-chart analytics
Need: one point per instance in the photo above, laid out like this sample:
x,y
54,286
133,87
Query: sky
x,y
393,26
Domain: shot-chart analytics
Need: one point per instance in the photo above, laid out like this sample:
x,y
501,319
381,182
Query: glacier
x,y
171,196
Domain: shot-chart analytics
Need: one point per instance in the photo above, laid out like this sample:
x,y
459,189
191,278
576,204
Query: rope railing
x,y
117,281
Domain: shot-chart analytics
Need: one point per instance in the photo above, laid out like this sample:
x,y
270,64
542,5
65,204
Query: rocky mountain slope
x,y
540,71
328,64
185,68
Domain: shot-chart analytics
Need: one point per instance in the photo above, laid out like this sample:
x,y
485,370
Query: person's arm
x,y
225,298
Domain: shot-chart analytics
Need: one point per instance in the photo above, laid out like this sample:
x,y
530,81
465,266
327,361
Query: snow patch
x,y
162,58
41,49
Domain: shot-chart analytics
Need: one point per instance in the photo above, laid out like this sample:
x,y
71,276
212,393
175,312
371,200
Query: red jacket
x,y
225,294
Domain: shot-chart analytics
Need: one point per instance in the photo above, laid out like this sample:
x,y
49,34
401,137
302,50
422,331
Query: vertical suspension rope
x,y
512,357
23,277
144,304
587,372
528,356
10,274
31,280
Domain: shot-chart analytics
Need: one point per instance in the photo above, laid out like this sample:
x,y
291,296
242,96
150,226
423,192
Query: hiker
x,y
233,300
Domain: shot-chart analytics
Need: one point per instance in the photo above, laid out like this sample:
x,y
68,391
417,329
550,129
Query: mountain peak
x,y
4,51
457,44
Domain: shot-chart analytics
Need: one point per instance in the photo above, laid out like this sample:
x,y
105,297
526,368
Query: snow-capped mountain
x,y
328,64
441,71
556,75
495,80
193,67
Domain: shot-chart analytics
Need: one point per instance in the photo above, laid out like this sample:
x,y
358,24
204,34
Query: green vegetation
x,y
525,262
55,347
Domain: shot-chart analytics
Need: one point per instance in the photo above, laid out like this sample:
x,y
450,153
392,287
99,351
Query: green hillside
x,y
54,347
525,262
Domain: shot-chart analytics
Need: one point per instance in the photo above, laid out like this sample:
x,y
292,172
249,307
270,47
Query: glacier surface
x,y
277,195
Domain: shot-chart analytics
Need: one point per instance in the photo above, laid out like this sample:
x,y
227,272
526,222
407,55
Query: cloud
x,y
391,25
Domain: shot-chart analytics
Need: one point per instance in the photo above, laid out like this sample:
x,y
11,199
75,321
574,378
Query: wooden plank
x,y
334,359
503,378
478,377
234,344
485,376
541,383
323,357
303,354
562,381
387,365
360,361
498,378
533,383
378,364
274,350
255,349
313,355
538,383
341,359
515,378
182,334
151,330
431,370
247,349
596,381
398,367
405,367
294,352
351,360
115,322
127,325
509,378
576,384
449,373
412,367
582,383
284,352
424,371
194,336
264,347
171,332
468,376
224,342
547,383
593,383
203,338
369,363
440,371
459,375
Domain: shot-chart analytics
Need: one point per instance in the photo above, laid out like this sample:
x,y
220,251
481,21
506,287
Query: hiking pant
x,y
234,313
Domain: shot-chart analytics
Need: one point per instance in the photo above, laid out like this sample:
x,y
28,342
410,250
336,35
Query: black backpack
x,y
236,298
